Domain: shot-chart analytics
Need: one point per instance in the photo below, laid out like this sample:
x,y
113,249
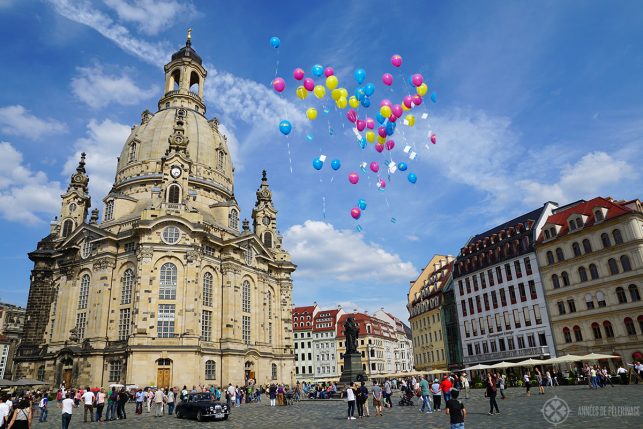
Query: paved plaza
x,y
618,407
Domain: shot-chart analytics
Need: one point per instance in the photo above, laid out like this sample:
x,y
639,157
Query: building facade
x,y
170,288
591,259
501,302
325,343
12,320
403,352
302,322
451,327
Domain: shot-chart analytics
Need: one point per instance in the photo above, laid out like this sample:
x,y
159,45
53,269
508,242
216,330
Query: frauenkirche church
x,y
170,288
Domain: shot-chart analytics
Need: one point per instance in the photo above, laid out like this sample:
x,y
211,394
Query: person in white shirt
x,y
67,405
4,410
350,400
158,402
88,399
232,395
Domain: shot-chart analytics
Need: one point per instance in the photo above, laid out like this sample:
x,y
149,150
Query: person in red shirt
x,y
446,387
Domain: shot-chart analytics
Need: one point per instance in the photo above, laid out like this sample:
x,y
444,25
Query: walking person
x,y
377,398
44,407
158,403
67,405
21,418
272,391
539,380
150,397
548,380
387,393
359,401
100,404
436,391
456,411
501,386
464,381
350,400
88,399
140,398
446,387
527,382
425,391
491,393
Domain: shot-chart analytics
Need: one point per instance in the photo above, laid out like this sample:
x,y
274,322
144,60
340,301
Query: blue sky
x,y
537,101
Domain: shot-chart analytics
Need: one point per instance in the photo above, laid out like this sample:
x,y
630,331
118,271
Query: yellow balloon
x,y
311,113
344,92
370,136
319,91
422,89
342,102
381,140
335,94
332,82
405,108
385,111
302,92
354,102
411,120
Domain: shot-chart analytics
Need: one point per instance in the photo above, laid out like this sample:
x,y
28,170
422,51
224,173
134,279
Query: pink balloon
x,y
397,110
396,60
390,145
382,183
356,213
328,71
379,148
408,101
351,115
417,100
309,84
353,178
386,102
361,125
279,84
381,131
434,139
375,167
417,79
370,123
387,78
392,118
298,74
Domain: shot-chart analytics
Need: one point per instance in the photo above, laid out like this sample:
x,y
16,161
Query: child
x,y
455,410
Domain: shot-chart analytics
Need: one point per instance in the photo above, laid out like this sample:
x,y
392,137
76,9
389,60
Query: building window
x,y
463,306
81,323
490,276
577,333
559,254
41,372
593,271
521,342
220,159
124,323
572,225
537,315
611,263
245,297
127,282
171,235
625,263
600,297
567,334
517,318
233,219
68,227
83,295
618,238
494,299
561,308
589,301
576,249
598,214
522,291
167,289
131,155
503,298
115,370
267,239
269,299
527,316
245,329
609,331
629,326
210,370
587,246
605,239
109,210
512,294
596,330
550,257
508,272
207,289
274,371
620,295
634,293
165,321
517,269
582,273
174,194
555,282
572,305
532,290
206,325
248,254
499,274
565,278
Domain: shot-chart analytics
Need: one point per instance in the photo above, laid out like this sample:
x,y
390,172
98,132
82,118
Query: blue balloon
x,y
410,81
318,70
360,75
361,204
434,97
412,178
363,143
402,166
369,89
317,164
359,93
380,118
275,42
285,127
390,128
335,164
366,102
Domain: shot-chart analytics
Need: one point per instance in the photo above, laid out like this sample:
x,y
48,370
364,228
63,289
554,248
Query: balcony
x,y
529,352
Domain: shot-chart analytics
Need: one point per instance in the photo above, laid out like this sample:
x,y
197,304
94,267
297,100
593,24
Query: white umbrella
x,y
479,366
566,358
503,365
438,371
597,356
530,362
117,385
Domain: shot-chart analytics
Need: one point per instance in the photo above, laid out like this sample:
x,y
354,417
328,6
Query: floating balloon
x,y
381,131
386,102
285,127
381,184
379,147
328,71
390,145
332,82
335,164
353,178
351,115
375,167
370,123
416,79
390,128
353,102
317,164
417,100
360,75
385,111
344,92
370,136
396,60
387,79
309,84
319,91
311,113
301,92
402,166
412,177
380,118
298,74
405,108
361,125
361,203
397,110
363,143
434,97
381,140
392,118
279,84
356,213
434,139
335,94
410,120
408,101
422,89
369,89
359,93
342,102
366,102
275,42
317,70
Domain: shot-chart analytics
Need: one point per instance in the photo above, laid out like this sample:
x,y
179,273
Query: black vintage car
x,y
202,406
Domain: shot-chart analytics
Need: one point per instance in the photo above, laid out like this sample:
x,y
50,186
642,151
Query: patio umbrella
x,y
597,356
28,382
566,358
438,371
479,366
4,382
503,365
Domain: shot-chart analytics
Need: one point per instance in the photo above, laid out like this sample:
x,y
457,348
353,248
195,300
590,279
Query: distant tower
x,y
75,202
264,215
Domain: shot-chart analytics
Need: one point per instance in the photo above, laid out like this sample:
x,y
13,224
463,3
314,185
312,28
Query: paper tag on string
x,y
322,158
407,148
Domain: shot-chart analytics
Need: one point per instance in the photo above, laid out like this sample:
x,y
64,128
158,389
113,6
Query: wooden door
x,y
67,378
163,377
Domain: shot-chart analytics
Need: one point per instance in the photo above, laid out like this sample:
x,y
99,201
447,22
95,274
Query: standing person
x,y
231,397
436,391
539,380
548,380
140,397
622,373
88,399
100,404
21,418
387,393
593,378
4,410
44,407
527,383
158,403
170,401
359,401
501,386
149,397
446,387
425,391
377,398
491,393
456,411
67,405
272,392
464,381
350,400
123,397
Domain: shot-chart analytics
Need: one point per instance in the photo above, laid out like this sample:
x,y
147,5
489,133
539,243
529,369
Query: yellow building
x,y
170,288
425,304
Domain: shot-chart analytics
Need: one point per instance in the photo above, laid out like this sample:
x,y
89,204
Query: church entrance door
x,y
163,377
67,377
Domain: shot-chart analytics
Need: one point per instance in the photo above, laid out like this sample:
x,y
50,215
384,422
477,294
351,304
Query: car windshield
x,y
202,397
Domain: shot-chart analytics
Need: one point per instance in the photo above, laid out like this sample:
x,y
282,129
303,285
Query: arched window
x,y
565,278
83,294
41,372
576,249
195,82
174,194
131,154
249,255
267,239
596,329
582,273
233,220
634,293
609,331
68,227
593,271
605,239
550,257
611,263
587,246
207,289
555,281
567,334
109,210
274,371
598,214
127,282
629,326
210,370
618,238
600,298
245,297
620,295
220,160
589,300
167,289
559,254
625,263
578,334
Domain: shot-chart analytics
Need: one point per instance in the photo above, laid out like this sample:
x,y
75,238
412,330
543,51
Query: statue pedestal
x,y
353,370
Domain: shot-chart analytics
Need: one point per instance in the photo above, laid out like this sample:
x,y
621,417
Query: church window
x,y
109,210
81,323
233,220
130,247
274,371
124,321
168,281
87,248
83,295
165,321
245,297
174,194
115,370
270,332
68,226
246,329
206,325
249,255
41,372
171,234
267,239
210,370
220,160
207,289
72,207
131,155
269,295
126,286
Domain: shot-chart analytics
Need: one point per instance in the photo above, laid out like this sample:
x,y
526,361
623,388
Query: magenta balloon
x,y
408,101
387,78
379,148
386,102
309,84
417,100
375,167
434,139
328,71
392,118
382,183
381,131
351,115
390,145
370,123
298,74
361,125
397,110
279,84
417,79
353,178
396,60
356,213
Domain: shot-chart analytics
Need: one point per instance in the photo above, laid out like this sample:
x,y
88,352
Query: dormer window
x,y
599,214
572,225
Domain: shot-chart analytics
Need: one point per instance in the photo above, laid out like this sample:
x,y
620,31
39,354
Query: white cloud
x,y
150,16
97,89
323,252
17,121
25,194
103,144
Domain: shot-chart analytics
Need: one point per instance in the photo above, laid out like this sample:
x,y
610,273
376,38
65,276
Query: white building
x,y
401,353
325,343
302,326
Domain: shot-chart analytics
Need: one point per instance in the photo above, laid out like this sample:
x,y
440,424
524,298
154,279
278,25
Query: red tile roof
x,y
303,312
325,316
379,328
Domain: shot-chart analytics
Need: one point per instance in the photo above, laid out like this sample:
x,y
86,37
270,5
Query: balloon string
x,y
324,207
289,154
277,64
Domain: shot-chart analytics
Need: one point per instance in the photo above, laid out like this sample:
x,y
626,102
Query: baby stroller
x,y
407,398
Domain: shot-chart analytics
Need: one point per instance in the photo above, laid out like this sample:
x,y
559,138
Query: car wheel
x,y
199,416
179,415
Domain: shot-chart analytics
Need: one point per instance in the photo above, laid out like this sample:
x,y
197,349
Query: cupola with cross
x,y
76,201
